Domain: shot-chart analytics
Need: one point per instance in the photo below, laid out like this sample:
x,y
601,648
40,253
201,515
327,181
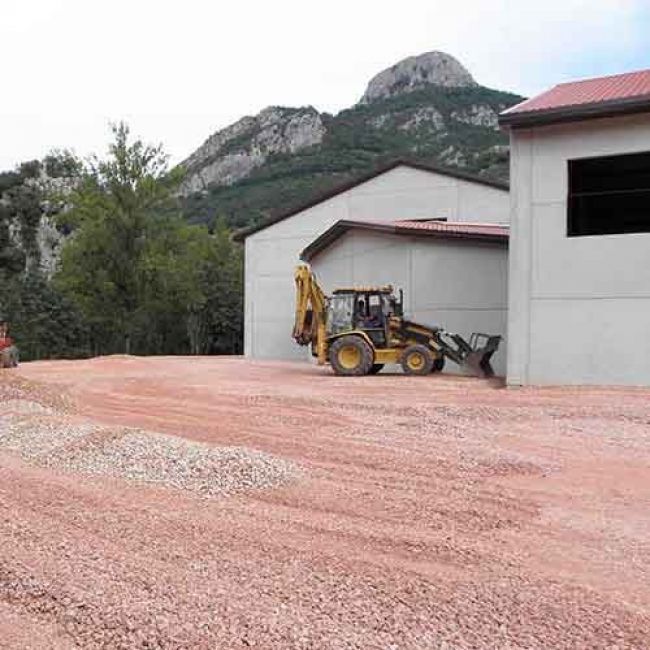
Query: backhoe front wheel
x,y
417,360
351,356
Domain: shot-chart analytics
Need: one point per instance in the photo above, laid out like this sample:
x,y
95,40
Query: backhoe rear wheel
x,y
417,360
351,356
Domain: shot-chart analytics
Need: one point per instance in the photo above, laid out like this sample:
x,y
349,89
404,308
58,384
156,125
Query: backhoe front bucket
x,y
473,355
483,346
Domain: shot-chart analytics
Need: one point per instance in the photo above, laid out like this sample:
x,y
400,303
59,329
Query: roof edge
x,y
243,233
576,112
392,228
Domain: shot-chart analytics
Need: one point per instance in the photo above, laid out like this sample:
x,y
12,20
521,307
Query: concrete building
x,y
401,190
452,274
579,292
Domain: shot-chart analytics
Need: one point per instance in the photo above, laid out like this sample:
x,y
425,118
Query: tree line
x,y
133,275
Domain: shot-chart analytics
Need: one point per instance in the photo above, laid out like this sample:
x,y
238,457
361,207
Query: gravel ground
x,y
42,435
437,512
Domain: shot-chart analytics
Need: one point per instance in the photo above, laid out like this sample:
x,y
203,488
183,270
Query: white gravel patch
x,y
12,407
35,438
150,457
43,437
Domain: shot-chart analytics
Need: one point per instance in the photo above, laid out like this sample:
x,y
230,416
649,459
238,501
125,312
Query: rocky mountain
x,y
426,107
231,154
29,236
415,73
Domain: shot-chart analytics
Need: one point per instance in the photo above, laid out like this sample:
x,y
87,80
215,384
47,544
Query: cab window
x,y
340,313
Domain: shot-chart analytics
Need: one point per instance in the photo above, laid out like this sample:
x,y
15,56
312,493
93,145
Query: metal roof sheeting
x,y
457,227
483,232
615,94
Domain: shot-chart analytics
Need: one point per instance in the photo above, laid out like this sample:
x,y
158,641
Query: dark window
x,y
609,195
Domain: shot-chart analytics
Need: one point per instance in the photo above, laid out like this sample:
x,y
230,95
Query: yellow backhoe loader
x,y
358,330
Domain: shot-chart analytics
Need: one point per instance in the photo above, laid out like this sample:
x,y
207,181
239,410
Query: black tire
x,y
376,368
417,360
351,356
438,364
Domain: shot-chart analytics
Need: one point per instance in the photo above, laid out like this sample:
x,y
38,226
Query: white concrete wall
x,y
459,285
401,193
579,307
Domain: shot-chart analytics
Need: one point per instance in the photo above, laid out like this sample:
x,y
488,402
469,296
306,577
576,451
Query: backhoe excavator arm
x,y
311,306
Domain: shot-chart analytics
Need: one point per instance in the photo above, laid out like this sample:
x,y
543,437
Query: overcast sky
x,y
177,71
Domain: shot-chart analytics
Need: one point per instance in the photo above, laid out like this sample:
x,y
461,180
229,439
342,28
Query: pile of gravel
x,y
149,457
13,407
36,436
44,437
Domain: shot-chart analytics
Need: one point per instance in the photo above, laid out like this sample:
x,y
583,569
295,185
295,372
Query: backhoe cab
x,y
358,330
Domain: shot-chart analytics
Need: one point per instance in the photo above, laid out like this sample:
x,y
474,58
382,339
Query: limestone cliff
x,y
232,153
415,73
29,237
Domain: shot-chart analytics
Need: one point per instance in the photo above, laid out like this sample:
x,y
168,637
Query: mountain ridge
x,y
451,124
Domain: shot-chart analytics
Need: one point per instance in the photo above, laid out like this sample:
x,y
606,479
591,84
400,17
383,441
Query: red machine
x,y
8,350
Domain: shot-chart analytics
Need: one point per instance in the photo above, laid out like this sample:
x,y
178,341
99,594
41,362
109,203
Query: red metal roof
x,y
455,227
586,98
485,232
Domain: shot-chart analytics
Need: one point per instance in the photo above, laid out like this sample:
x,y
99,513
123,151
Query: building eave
x,y
322,242
543,117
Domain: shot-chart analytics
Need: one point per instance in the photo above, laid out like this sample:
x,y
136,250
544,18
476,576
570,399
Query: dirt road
x,y
433,512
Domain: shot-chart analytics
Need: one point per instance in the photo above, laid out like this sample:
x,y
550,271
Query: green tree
x,y
144,280
193,286
223,285
113,212
44,323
